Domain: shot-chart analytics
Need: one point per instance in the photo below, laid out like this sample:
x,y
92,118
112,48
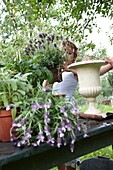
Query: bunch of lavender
x,y
46,48
48,119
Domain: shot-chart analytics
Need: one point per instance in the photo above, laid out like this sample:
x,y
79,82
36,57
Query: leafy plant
x,y
13,89
30,64
40,55
46,119
47,49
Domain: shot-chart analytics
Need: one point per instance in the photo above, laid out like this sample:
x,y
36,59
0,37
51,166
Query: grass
x,y
103,108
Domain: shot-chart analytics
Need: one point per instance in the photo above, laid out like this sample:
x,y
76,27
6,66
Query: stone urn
x,y
89,84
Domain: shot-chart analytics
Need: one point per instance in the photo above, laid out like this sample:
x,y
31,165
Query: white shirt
x,y
67,86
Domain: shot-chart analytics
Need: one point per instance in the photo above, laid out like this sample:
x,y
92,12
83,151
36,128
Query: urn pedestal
x,y
89,84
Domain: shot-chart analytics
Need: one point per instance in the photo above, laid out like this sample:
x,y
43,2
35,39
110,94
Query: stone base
x,y
93,116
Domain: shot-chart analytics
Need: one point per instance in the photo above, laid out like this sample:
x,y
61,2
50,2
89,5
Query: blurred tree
x,y
110,80
73,17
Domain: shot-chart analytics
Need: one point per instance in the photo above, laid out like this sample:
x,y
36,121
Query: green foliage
x,y
106,152
110,78
31,65
45,50
13,89
46,118
39,55
106,88
72,17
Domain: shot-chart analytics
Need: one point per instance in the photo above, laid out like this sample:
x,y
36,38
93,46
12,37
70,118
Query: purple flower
x,y
85,135
73,139
47,130
72,143
47,89
50,140
59,142
63,109
74,109
72,147
59,131
64,141
16,123
26,136
40,35
40,138
19,144
10,106
55,45
67,120
48,104
78,127
34,144
46,117
57,37
63,126
52,36
37,106
23,121
48,38
69,126
33,107
13,138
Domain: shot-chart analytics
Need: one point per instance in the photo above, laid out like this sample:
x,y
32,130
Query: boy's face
x,y
70,54
68,50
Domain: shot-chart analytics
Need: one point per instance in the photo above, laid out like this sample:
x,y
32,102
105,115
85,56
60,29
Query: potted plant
x,y
28,63
46,119
42,57
45,49
12,93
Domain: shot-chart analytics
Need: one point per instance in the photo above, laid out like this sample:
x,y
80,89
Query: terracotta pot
x,y
5,125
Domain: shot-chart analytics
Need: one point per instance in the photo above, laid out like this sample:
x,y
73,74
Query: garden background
x,y
22,20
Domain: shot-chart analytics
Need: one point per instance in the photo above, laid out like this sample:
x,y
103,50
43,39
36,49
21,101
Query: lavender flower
x,y
34,144
48,104
64,141
50,120
73,140
19,144
40,138
64,110
63,127
36,106
50,140
59,142
78,127
74,109
52,36
10,106
47,89
60,132
55,45
23,121
13,138
68,126
85,135
26,136
40,35
47,130
72,147
16,123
